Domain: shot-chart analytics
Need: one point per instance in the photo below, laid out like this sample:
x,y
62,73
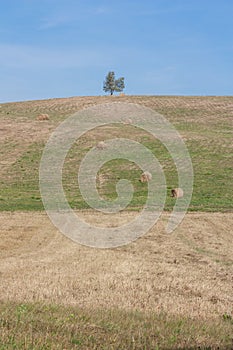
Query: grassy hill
x,y
205,123
159,292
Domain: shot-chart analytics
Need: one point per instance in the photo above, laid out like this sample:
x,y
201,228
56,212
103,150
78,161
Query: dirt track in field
x,y
189,272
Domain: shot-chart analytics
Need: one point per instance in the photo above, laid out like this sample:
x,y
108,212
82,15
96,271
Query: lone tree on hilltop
x,y
111,84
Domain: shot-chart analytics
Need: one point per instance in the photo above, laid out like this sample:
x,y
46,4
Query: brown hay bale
x,y
146,176
128,121
43,117
101,145
177,192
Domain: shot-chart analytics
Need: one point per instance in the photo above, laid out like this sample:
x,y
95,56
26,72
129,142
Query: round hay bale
x,y
101,145
128,121
177,193
146,176
43,117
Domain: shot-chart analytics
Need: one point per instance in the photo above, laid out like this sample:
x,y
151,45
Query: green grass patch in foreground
x,y
37,327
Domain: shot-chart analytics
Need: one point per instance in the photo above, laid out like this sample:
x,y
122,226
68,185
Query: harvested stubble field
x,y
159,292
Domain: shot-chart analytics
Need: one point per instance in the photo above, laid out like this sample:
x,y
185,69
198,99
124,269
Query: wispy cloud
x,y
164,11
70,15
102,10
54,21
23,56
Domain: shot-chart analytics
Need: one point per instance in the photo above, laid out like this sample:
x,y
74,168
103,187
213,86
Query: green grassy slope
x,y
205,123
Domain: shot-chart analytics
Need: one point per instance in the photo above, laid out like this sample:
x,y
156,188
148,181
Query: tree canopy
x,y
111,84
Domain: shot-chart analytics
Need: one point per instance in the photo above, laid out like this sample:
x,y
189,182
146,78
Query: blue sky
x,y
61,48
